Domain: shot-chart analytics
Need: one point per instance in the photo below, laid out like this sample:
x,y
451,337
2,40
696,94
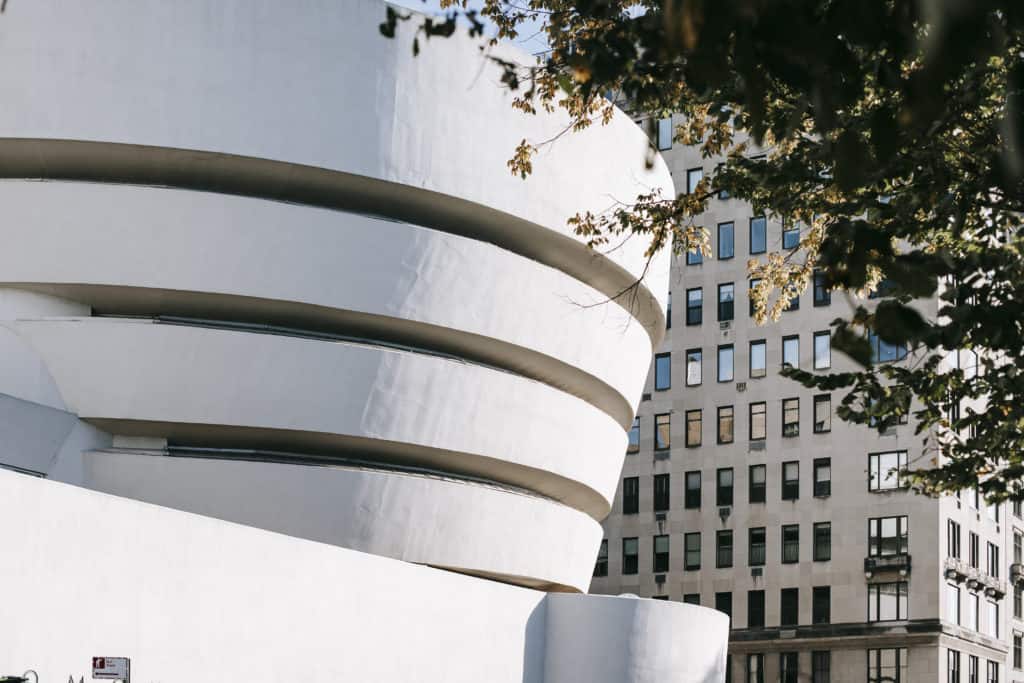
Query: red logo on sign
x,y
98,663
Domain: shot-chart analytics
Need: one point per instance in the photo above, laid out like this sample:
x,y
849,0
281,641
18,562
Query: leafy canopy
x,y
891,131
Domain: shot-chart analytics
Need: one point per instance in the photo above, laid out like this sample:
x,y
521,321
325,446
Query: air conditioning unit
x,y
659,579
659,516
724,512
756,446
645,397
756,572
725,326
741,386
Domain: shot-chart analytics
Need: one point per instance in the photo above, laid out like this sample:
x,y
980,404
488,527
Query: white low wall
x,y
190,598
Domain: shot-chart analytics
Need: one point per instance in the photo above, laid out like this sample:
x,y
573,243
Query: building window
x,y
790,234
693,367
726,241
692,428
887,470
630,495
973,612
888,665
634,437
758,358
630,553
993,672
755,668
1018,508
973,552
662,431
952,666
662,371
668,312
887,601
822,541
791,351
724,490
953,603
791,417
757,484
791,480
601,566
754,282
794,303
1017,647
822,413
693,178
887,536
723,603
884,352
758,421
755,609
691,598
821,666
789,670
972,669
691,499
694,257
821,605
723,548
694,306
758,235
822,477
665,134
1018,598
790,543
726,424
722,194
822,350
993,560
725,365
691,547
661,492
1018,547
993,619
661,553
822,292
726,300
756,551
789,613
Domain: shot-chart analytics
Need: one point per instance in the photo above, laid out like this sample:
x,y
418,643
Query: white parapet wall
x,y
190,598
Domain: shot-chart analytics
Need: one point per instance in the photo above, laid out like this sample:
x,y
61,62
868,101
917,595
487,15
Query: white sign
x,y
111,668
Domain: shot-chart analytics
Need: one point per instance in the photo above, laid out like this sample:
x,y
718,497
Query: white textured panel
x,y
119,370
70,233
427,520
314,85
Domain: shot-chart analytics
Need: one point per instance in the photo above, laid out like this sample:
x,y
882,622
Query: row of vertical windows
x,y
971,616
724,486
973,669
789,667
726,232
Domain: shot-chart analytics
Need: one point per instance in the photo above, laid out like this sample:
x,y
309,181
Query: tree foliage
x,y
890,130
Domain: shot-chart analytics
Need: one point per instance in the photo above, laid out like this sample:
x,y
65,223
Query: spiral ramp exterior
x,y
266,271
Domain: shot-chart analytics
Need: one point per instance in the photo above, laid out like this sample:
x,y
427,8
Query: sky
x,y
530,41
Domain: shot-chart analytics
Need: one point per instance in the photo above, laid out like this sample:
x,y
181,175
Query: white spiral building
x,y
263,265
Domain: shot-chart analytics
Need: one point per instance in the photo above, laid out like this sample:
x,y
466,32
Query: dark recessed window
x,y
693,428
890,665
883,351
755,609
662,495
790,543
758,235
790,234
821,605
630,555
887,601
888,536
755,668
691,598
726,299
757,484
822,292
790,480
630,495
724,488
789,614
723,603
668,312
754,282
694,306
789,667
662,371
758,421
692,495
661,553
662,431
756,552
726,424
691,551
821,666
601,565
822,541
722,193
723,548
726,241
822,477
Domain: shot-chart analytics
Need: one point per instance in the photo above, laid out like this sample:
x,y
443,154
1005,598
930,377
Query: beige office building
x,y
743,491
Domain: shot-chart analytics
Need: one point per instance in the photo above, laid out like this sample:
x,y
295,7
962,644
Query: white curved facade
x,y
277,274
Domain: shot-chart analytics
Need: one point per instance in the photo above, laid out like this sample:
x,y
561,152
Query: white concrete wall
x,y
190,598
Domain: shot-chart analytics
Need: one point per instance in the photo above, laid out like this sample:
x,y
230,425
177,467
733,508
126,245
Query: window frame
x,y
660,559
816,536
658,376
874,604
728,419
688,492
764,235
754,487
793,593
827,336
790,429
723,550
794,339
659,443
875,531
753,554
687,551
694,313
750,420
626,556
662,498
699,355
819,614
601,566
726,308
731,352
633,444
821,488
875,473
790,550
757,373
700,428
631,494
791,487
731,228
724,492
822,426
